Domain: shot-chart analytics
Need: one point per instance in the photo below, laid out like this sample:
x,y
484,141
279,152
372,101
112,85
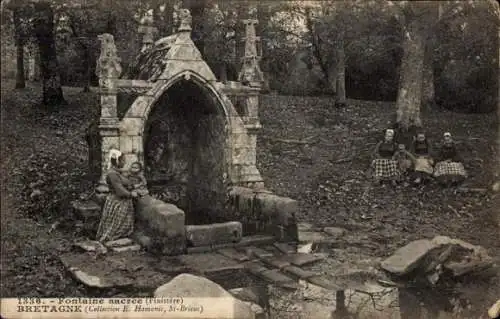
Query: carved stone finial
x,y
185,20
148,30
250,71
108,64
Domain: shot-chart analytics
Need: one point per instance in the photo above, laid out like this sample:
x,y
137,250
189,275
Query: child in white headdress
x,y
138,180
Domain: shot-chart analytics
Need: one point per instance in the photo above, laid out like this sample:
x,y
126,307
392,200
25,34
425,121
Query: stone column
x,y
252,76
108,70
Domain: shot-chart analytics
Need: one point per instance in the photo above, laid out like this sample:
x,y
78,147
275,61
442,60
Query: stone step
x,y
325,282
301,259
233,254
126,248
285,248
273,262
210,263
119,243
298,272
257,252
256,240
272,276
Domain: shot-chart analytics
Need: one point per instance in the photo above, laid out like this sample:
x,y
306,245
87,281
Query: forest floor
x,y
307,150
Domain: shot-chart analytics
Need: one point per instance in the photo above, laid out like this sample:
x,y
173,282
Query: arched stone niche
x,y
182,127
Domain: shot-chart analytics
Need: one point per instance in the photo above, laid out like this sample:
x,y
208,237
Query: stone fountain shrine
x,y
196,138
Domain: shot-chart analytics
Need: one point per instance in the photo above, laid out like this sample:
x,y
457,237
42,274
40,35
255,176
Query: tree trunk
x,y
411,78
428,76
44,31
88,68
341,99
20,76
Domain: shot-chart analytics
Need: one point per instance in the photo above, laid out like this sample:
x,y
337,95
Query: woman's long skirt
x,y
117,220
449,172
386,169
424,165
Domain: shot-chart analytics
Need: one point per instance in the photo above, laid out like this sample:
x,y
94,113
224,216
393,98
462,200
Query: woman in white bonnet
x,y
449,169
117,220
384,166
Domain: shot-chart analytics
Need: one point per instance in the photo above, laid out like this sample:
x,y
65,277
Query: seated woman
x,y
423,162
384,166
117,220
449,169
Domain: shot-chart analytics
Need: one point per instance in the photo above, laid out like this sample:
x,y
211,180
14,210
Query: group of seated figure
x,y
394,163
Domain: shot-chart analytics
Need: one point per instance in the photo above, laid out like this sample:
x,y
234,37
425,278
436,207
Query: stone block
x,y
407,258
202,235
164,223
109,142
280,209
240,139
191,286
126,144
138,108
131,126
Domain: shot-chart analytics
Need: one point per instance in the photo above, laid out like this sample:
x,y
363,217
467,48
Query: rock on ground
x,y
191,286
457,256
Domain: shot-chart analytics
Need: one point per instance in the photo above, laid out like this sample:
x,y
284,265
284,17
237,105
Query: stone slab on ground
x,y
301,259
126,248
233,254
406,258
191,286
297,272
91,246
312,236
114,270
210,263
245,241
257,252
285,248
274,262
457,255
119,242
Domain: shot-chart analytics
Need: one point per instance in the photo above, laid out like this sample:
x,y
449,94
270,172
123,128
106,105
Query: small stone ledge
x,y
214,234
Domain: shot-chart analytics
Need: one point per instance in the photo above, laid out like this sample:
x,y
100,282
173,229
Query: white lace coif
x,y
113,154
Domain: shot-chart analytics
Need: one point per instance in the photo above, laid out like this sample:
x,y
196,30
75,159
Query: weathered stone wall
x,y
208,185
